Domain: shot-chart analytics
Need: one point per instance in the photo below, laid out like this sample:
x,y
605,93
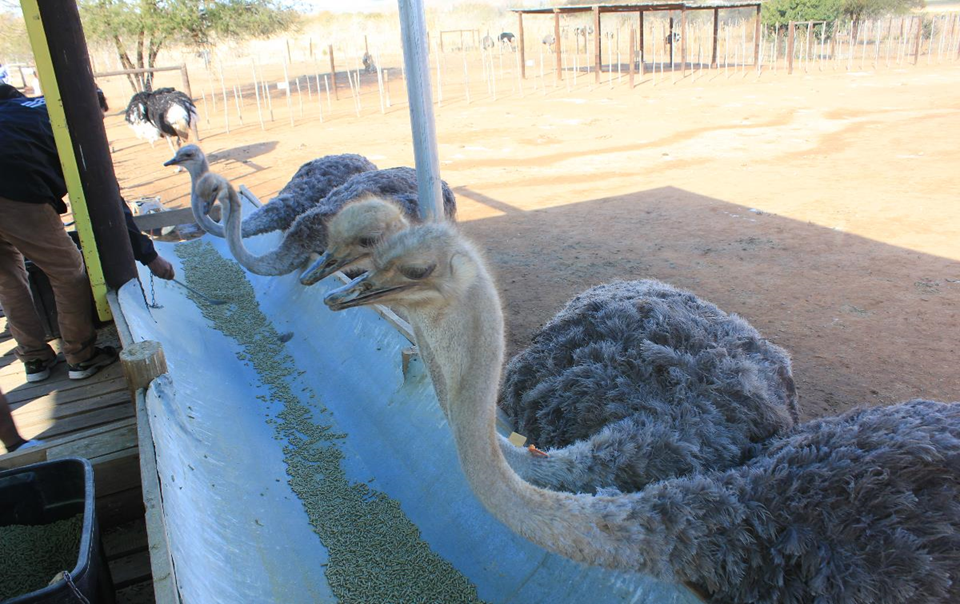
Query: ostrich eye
x,y
369,241
417,272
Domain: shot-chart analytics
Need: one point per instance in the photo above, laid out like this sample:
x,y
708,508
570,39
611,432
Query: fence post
x,y
716,35
521,48
790,48
916,48
756,40
557,46
596,42
333,74
683,41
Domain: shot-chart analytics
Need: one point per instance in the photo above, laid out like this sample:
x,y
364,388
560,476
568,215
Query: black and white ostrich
x,y
163,113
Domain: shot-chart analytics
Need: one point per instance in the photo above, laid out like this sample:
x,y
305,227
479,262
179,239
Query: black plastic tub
x,y
48,492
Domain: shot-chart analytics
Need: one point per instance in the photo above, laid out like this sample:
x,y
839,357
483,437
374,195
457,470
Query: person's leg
x,y
9,436
37,232
17,302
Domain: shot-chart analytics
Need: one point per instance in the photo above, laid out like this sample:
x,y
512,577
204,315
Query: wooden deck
x,y
94,419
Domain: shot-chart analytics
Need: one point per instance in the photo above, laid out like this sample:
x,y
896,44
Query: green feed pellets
x,y
376,553
33,555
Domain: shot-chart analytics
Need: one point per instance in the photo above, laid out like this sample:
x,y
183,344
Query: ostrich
x,y
308,233
593,383
164,113
864,507
506,38
310,184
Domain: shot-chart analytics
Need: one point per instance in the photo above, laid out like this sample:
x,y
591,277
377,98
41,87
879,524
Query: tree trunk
x,y
126,62
152,51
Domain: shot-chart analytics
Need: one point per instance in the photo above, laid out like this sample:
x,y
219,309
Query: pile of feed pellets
x,y
33,555
375,551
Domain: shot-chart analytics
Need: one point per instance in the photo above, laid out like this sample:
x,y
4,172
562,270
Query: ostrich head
x,y
191,158
352,235
213,187
427,267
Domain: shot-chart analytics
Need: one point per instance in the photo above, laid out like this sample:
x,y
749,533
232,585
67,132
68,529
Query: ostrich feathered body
x,y
648,382
312,182
308,233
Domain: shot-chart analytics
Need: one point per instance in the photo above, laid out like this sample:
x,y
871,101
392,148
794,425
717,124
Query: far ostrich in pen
x,y
310,184
164,113
308,233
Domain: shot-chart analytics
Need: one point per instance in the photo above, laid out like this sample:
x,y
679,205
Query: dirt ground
x,y
823,207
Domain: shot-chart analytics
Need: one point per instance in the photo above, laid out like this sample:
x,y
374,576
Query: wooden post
x,y
142,362
833,42
366,46
558,48
596,42
289,57
670,38
790,41
716,32
683,41
756,40
633,57
916,48
187,89
63,64
333,74
523,54
641,44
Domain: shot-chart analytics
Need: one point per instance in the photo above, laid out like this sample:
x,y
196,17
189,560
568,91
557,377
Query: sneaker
x,y
27,444
102,357
39,369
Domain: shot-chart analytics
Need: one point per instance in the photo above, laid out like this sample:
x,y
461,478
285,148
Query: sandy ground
x,y
823,207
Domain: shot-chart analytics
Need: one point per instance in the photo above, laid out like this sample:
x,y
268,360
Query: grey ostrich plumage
x,y
863,508
308,233
644,382
312,182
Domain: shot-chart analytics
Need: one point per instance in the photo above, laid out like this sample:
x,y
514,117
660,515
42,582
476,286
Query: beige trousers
x,y
34,230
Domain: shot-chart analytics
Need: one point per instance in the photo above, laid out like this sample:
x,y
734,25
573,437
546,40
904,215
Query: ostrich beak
x,y
324,266
359,292
172,162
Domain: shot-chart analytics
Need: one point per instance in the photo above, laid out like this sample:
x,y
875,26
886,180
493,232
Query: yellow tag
x,y
517,440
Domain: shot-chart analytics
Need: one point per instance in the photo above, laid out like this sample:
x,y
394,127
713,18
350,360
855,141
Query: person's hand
x,y
161,268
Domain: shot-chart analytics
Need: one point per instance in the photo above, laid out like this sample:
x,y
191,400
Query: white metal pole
x,y
413,29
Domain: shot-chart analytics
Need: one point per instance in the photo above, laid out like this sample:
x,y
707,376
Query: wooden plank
x,y
131,569
125,539
138,593
81,422
107,74
158,220
97,445
120,321
34,455
119,508
117,471
164,578
47,408
65,386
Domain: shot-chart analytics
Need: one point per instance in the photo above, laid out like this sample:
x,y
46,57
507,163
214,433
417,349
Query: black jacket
x,y
30,166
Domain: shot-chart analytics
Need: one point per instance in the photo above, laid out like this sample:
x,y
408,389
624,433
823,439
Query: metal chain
x,y
153,295
76,592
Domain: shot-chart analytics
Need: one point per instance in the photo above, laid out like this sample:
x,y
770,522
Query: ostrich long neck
x,y
466,342
569,469
279,261
208,224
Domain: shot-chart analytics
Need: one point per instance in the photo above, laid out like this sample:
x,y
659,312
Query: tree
x,y
143,27
781,12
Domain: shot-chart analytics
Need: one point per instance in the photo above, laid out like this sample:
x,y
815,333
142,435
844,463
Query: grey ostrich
x,y
310,184
860,508
609,384
308,233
